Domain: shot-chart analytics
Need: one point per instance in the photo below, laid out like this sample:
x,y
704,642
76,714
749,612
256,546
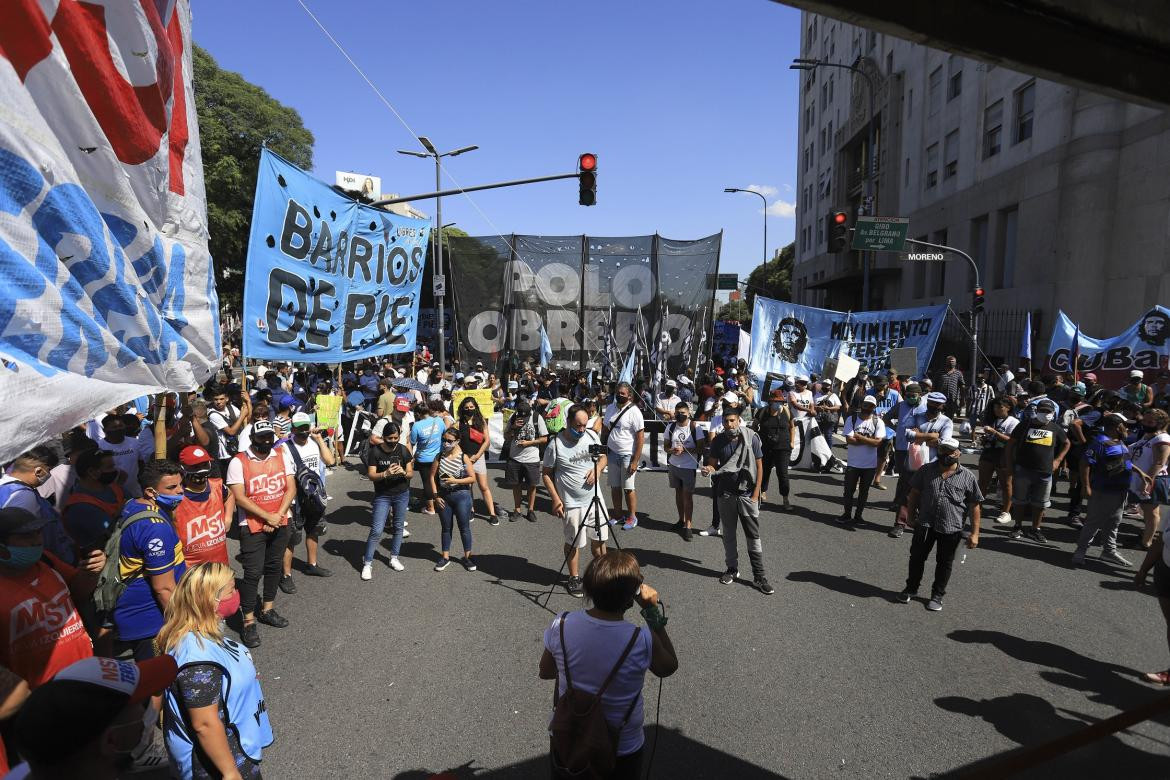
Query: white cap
x,y
732,372
683,379
948,444
804,378
671,383
869,399
1136,373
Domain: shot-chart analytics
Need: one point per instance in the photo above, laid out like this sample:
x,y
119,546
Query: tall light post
x,y
753,192
438,156
866,257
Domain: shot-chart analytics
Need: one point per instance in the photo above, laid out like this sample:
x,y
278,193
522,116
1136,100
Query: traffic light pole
x,y
974,314
477,188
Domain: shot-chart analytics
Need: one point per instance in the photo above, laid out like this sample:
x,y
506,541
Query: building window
x,y
992,129
906,173
931,165
1005,250
979,244
822,140
940,269
934,92
824,96
820,233
920,276
889,64
910,104
1025,107
955,80
871,40
829,136
951,154
830,89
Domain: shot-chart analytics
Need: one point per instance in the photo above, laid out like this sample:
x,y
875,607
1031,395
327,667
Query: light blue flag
x,y
628,370
1026,338
546,352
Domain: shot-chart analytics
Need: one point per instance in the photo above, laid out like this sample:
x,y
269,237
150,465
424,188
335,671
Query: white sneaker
x,y
1115,557
396,564
1005,518
712,531
405,533
367,571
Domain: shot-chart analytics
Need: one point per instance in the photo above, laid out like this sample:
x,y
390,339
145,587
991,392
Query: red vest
x,y
113,509
264,483
202,527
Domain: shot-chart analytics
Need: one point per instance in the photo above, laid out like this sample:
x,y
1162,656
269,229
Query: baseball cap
x,y
1078,388
718,371
671,383
950,445
936,397
1115,417
479,364
733,372
194,455
683,379
1090,375
286,403
301,419
14,520
1136,373
513,384
869,399
262,426
801,378
82,700
458,375
435,364
401,404
731,384
1046,403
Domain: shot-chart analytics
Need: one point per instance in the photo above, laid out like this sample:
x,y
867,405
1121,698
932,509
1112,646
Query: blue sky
x,y
678,99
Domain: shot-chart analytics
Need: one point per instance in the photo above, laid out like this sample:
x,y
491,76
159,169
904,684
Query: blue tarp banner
x,y
789,339
1142,345
328,279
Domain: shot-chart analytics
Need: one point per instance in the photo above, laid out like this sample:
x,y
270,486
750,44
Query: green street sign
x,y
880,234
722,281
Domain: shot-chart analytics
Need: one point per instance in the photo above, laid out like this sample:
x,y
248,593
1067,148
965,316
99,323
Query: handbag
x,y
916,456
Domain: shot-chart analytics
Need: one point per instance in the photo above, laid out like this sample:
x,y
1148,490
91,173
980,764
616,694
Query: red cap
x,y
401,404
719,371
193,456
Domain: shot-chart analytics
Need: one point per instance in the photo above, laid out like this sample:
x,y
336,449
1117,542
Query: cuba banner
x,y
1141,346
108,289
788,339
328,279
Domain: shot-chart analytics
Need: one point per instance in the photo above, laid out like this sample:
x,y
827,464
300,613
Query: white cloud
x,y
767,190
787,188
782,208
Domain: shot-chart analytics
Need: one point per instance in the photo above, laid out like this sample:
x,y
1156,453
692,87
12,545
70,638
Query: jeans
x,y
261,554
382,506
859,479
741,510
779,460
925,538
456,506
1102,517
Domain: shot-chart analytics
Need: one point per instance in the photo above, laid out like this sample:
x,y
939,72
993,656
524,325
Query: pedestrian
x,y
736,457
624,433
454,474
778,435
426,438
262,480
573,462
525,434
214,715
942,494
993,455
474,441
1150,454
309,451
203,516
899,418
1136,392
951,383
1035,452
864,433
583,651
96,501
127,450
1075,421
683,444
982,394
1106,474
389,466
827,411
887,398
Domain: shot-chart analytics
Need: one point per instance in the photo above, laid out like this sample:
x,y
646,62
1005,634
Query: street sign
x,y
880,234
722,281
440,285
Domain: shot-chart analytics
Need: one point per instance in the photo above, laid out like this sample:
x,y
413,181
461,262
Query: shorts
x,y
682,478
516,473
572,523
995,457
480,466
1161,578
1031,488
1161,494
618,467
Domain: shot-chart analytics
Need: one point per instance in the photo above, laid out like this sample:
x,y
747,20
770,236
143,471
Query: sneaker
x,y
680,524
712,531
896,532
934,605
613,520
687,534
1037,535
787,503
904,597
630,524
468,563
1076,522
150,755
396,564
836,468
574,588
879,486
1158,678
367,571
493,520
728,577
426,511
1017,533
286,584
442,564
532,515
272,618
405,533
1005,518
1078,559
1112,556
763,586
506,515
843,520
313,570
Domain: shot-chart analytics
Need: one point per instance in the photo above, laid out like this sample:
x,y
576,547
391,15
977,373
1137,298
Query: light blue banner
x,y
328,279
791,340
1142,345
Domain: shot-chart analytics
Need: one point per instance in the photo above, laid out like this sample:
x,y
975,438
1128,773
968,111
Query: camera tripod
x,y
595,510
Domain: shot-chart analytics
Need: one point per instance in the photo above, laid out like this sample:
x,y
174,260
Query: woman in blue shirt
x,y
426,436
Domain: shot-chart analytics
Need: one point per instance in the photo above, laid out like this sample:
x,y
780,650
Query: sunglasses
x,y
197,476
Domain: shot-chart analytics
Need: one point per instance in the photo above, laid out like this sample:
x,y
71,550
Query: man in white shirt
x,y
625,431
683,441
307,444
801,399
864,433
666,402
481,374
229,421
126,449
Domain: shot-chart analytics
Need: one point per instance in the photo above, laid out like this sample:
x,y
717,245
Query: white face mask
x,y
1043,417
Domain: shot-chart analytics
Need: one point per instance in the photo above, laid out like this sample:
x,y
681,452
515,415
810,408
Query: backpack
x,y
311,495
111,584
554,416
582,743
231,441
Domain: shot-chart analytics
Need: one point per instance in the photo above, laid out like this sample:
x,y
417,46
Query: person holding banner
x,y
864,433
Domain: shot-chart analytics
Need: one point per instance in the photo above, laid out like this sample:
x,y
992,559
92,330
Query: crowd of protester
x,y
114,560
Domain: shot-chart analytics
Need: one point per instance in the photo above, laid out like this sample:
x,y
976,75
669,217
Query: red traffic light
x,y
979,292
587,162
840,217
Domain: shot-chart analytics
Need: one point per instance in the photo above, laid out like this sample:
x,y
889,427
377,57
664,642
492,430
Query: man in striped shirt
x,y
982,395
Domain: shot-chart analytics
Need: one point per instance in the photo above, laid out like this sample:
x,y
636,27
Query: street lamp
x,y
753,192
438,156
801,63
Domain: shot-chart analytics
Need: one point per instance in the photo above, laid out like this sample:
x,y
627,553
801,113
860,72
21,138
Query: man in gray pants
x,y
1106,472
735,457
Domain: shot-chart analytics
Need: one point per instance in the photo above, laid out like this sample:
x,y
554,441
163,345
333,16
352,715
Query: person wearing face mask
x,y
126,450
624,433
96,501
942,494
389,466
262,480
1136,392
1036,450
1106,474
683,442
92,720
900,417
308,450
994,438
202,517
214,714
453,473
1150,454
474,440
151,559
18,488
925,426
864,433
570,475
778,433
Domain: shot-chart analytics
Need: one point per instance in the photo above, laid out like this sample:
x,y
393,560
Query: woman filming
x,y
452,473
474,440
778,434
583,649
215,719
389,466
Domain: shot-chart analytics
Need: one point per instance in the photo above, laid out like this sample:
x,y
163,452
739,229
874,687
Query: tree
x,y
237,118
773,280
736,310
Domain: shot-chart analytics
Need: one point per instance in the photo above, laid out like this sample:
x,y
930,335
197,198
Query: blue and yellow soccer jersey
x,y
148,547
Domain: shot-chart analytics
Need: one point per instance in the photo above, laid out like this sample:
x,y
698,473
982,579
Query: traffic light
x,y
838,230
977,300
587,175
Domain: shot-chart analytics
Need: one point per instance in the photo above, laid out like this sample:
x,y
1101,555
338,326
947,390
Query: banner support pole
x,y
581,309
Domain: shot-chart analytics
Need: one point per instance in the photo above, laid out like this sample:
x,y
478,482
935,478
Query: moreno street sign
x,y
880,234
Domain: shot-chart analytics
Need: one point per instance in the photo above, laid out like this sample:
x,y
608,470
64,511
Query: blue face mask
x,y
200,497
20,558
576,434
168,501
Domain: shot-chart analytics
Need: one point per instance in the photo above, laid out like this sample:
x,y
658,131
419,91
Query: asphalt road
x,y
422,672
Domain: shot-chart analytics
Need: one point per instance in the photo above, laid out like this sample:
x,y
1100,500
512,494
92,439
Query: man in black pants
x,y
941,495
864,433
